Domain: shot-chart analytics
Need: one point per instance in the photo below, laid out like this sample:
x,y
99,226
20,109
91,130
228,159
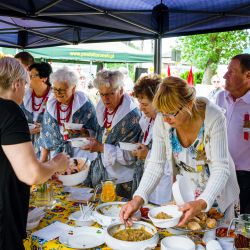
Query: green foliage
x,y
209,50
131,66
197,76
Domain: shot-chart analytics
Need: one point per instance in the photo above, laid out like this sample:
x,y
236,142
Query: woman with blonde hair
x,y
191,134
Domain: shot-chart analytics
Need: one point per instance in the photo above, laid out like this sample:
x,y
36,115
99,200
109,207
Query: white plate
x,y
182,191
73,126
83,238
128,146
79,142
31,126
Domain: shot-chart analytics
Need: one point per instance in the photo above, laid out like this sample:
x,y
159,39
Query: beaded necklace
x,y
68,110
36,107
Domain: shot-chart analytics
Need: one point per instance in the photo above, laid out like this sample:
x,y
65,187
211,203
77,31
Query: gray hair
x,y
64,75
109,78
11,70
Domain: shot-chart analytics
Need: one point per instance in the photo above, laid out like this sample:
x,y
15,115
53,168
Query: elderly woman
x,y
36,97
144,91
66,106
190,132
19,165
118,118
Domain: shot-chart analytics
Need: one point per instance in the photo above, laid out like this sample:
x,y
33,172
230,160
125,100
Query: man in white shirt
x,y
236,101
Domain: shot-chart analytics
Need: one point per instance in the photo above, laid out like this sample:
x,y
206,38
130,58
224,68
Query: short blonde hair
x,y
109,78
174,94
11,70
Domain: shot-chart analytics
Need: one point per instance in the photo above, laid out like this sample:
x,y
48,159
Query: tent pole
x,y
157,55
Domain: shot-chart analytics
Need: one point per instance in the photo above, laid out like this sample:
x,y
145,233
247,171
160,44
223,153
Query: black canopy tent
x,y
34,24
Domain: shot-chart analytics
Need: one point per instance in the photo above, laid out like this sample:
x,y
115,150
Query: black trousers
x,y
244,183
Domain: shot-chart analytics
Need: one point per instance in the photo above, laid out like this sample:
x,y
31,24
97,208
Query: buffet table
x,y
60,212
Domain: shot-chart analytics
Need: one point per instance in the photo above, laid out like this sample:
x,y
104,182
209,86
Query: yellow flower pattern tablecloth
x,y
60,212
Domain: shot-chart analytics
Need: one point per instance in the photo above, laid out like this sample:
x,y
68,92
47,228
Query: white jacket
x,y
222,184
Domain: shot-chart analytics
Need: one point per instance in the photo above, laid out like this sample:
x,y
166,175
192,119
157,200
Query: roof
x,y
32,24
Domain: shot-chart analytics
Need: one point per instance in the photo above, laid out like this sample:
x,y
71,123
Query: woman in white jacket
x,y
191,133
144,90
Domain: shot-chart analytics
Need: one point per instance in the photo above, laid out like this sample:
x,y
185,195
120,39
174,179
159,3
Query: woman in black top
x,y
19,166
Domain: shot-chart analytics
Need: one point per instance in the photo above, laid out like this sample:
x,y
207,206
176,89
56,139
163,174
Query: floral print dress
x,y
191,161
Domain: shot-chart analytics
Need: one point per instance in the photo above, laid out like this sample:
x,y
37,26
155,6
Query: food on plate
x,y
131,234
163,216
75,167
215,214
202,216
192,225
204,220
222,232
144,212
211,223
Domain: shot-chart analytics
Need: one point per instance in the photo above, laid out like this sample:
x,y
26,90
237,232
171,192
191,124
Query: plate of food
x,y
145,210
203,222
76,173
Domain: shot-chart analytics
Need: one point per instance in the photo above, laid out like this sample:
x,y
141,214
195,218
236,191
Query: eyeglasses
x,y
59,91
107,94
216,81
34,76
171,115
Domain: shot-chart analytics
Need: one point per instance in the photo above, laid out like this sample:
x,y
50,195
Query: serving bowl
x,y
108,213
79,142
116,244
171,210
182,191
73,126
76,178
128,146
177,243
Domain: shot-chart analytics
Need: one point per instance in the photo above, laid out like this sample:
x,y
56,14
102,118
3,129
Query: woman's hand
x,y
36,130
93,146
129,209
191,209
142,152
61,162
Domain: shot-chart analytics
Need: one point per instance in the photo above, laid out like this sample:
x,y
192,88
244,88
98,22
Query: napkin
x,y
52,231
78,190
36,214
213,245
80,196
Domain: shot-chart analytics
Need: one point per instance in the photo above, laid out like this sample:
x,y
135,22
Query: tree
x,y
206,51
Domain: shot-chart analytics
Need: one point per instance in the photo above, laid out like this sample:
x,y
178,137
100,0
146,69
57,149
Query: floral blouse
x,y
191,161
